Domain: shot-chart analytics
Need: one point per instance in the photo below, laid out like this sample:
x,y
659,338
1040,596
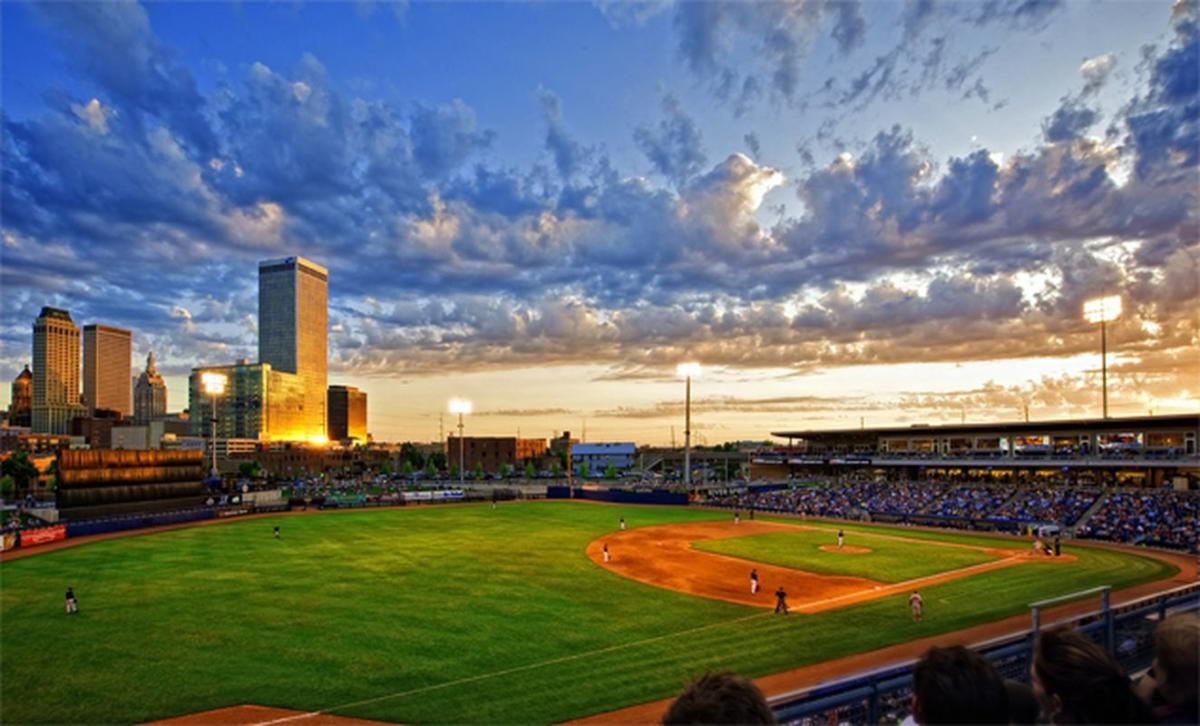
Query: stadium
x,y
556,603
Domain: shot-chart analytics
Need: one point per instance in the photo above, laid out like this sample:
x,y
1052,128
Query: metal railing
x,y
883,695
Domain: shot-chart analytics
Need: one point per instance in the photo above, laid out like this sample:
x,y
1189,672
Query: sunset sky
x,y
888,212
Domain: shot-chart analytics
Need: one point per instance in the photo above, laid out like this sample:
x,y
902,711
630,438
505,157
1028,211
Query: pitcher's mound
x,y
845,549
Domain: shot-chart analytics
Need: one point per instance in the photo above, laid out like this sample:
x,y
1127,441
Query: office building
x,y
55,372
149,394
347,408
20,408
293,332
259,403
598,457
494,452
107,356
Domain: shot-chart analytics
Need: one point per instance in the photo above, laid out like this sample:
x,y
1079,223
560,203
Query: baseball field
x,y
466,614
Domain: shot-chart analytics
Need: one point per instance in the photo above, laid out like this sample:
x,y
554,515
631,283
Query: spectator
x,y
956,685
1022,704
1076,682
720,698
1170,688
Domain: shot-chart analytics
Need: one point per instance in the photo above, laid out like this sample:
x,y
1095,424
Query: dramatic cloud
x,y
145,202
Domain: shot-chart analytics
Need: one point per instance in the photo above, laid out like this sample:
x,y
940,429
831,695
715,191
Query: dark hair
x,y
1023,707
955,685
720,698
1177,652
1089,683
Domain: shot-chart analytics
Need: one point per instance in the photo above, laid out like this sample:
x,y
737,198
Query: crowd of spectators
x,y
1163,518
1064,505
1160,518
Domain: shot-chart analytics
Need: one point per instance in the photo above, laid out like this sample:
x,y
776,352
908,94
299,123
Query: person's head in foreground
x,y
1076,682
1171,687
720,698
956,685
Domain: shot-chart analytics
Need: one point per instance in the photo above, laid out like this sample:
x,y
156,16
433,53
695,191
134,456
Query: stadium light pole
x,y
461,406
1101,310
214,385
687,371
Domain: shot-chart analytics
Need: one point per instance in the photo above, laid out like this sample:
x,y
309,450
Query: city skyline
x,y
877,221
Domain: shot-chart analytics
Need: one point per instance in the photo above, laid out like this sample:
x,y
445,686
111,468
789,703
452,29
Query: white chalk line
x,y
509,671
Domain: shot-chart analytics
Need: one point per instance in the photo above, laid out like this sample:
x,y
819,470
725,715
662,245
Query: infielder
x,y
781,601
914,603
754,582
606,552
841,538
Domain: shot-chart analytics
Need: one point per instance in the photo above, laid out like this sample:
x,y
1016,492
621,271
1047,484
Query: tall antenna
x,y
441,429
672,436
583,434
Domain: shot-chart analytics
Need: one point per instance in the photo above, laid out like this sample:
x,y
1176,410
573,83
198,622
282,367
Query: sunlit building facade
x,y
259,403
293,323
149,394
347,414
107,363
20,406
55,372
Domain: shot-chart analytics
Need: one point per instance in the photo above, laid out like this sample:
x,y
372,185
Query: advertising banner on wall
x,y
42,535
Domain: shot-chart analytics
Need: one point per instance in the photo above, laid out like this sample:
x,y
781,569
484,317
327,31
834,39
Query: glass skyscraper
x,y
293,331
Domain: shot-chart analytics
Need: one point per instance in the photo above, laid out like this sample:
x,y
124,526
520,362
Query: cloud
x,y
1069,121
445,135
1095,72
674,147
568,154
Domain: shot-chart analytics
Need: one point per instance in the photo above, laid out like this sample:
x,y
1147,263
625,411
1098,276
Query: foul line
x,y
508,671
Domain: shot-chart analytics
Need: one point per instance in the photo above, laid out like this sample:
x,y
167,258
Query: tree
x,y
610,472
438,459
556,469
430,470
6,486
407,469
21,469
505,470
385,469
249,469
478,470
584,470
530,472
454,471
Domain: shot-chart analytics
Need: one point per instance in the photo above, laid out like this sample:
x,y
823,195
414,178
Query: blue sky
x,y
880,210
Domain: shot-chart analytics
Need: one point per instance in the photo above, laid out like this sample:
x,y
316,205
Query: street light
x,y
214,385
461,406
687,371
1101,310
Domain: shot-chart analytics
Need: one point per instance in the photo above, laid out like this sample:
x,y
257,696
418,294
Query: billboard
x,y
42,535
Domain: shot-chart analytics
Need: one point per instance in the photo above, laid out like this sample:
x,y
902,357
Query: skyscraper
x,y
293,330
149,395
107,362
20,408
347,414
55,372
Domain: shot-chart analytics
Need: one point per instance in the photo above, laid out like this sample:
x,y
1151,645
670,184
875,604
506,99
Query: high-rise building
x,y
347,408
107,357
258,403
149,395
55,372
293,331
20,408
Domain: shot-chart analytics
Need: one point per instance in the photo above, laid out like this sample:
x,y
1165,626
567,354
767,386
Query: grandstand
x,y
1151,451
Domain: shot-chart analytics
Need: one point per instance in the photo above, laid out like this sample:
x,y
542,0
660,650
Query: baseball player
x,y
841,538
606,552
914,603
781,601
622,524
72,606
737,517
754,582
276,531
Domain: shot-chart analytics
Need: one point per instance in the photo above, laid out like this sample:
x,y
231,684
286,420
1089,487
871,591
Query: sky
x,y
850,213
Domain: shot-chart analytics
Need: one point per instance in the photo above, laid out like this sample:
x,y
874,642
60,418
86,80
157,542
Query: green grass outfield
x,y
890,560
452,614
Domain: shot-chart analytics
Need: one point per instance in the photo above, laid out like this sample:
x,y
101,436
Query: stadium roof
x,y
1172,422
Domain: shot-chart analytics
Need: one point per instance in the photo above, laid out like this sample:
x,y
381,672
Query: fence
x,y
883,695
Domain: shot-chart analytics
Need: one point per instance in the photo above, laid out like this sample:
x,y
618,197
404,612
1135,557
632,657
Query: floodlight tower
x,y
214,385
461,406
687,371
1101,310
